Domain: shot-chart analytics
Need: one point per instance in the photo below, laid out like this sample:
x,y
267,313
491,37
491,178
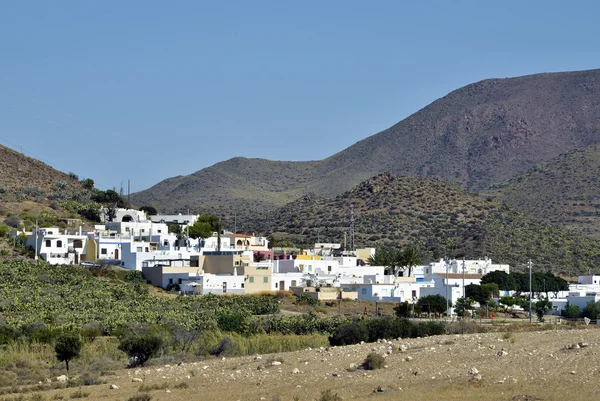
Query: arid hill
x,y
564,191
476,136
437,218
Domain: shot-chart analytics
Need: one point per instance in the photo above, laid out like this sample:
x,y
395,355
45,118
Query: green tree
x,y
149,210
409,259
87,183
541,307
592,310
435,304
463,305
571,311
140,347
67,347
200,229
215,226
380,258
504,280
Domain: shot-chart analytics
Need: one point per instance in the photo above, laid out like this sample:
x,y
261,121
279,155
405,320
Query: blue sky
x,y
146,90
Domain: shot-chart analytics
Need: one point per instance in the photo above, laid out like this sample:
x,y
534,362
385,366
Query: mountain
x,y
564,191
31,190
476,136
437,218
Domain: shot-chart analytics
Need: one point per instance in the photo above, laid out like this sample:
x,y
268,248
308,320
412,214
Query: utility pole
x,y
36,240
530,293
446,263
352,227
464,293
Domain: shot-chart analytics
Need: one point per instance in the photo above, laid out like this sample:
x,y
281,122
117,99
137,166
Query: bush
x,y
140,397
140,347
227,346
352,333
306,299
328,395
571,311
373,361
12,221
90,331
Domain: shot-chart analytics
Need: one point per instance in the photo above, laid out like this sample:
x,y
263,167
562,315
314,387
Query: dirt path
x,y
492,366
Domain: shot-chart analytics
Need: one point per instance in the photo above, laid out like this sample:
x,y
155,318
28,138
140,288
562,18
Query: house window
x,y
275,284
251,279
139,249
364,291
265,279
59,244
414,293
329,268
179,281
48,243
103,251
166,243
170,281
159,231
242,285
127,229
309,268
143,230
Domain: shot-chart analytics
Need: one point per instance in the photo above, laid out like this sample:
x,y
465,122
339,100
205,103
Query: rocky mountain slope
x,y
476,136
31,190
437,218
564,191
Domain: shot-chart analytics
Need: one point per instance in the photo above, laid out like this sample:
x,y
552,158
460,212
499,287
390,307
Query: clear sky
x,y
146,90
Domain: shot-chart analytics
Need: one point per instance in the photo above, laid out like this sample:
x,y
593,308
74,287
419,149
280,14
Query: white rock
x,y
62,378
295,371
353,366
473,371
409,358
137,380
275,363
113,387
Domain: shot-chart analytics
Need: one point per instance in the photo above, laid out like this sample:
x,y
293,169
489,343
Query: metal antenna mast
x,y
352,227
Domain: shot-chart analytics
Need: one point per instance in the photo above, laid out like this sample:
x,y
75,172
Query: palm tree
x,y
380,258
409,259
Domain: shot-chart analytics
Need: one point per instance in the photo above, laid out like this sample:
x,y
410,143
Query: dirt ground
x,y
541,365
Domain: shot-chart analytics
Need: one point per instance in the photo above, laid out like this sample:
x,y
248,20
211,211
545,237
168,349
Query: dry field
x,y
490,366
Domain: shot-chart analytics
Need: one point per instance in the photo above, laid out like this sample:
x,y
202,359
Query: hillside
x,y
564,191
438,218
476,136
31,190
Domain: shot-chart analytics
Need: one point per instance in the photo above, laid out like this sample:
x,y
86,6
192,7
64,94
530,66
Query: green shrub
x,y
140,397
79,394
373,361
140,347
90,331
328,395
306,299
352,333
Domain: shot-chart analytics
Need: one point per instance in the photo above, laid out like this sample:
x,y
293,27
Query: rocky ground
x,y
543,365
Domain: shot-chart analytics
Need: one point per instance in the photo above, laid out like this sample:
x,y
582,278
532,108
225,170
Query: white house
x,y
56,248
479,266
451,288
